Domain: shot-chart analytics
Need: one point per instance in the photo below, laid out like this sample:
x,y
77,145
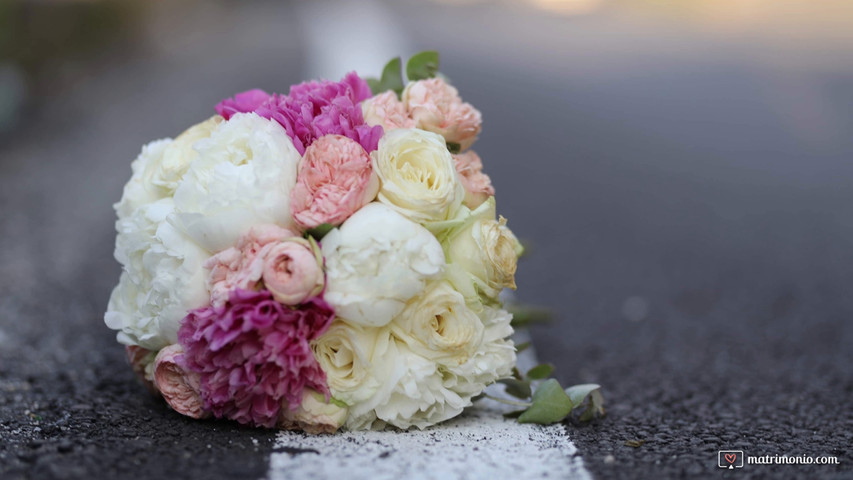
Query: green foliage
x,y
550,404
422,65
320,231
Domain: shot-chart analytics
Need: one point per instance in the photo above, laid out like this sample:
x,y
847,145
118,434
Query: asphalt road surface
x,y
687,198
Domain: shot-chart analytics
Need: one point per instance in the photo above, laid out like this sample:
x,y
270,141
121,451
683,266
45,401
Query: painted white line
x,y
478,444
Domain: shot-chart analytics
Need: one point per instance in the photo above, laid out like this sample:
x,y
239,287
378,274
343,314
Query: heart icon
x,y
731,457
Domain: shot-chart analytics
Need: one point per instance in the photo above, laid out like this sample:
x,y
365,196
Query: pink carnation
x,y
287,265
335,179
253,354
478,185
435,106
312,110
178,386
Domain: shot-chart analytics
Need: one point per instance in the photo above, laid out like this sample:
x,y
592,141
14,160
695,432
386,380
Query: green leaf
x,y
454,147
392,76
422,65
375,85
525,315
514,414
588,398
578,393
540,371
522,347
550,404
516,388
634,443
340,403
320,231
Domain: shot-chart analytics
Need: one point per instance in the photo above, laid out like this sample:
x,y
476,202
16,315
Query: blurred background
x,y
682,170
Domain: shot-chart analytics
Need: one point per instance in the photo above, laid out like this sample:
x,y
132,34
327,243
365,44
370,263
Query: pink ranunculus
x,y
387,111
242,266
254,355
478,186
293,270
435,106
335,179
139,358
180,387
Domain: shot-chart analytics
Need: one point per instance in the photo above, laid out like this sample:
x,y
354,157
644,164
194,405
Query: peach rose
x,y
387,111
435,106
179,387
335,179
293,270
478,186
139,359
289,266
240,266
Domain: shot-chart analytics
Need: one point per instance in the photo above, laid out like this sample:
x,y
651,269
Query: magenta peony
x,y
253,354
335,179
311,110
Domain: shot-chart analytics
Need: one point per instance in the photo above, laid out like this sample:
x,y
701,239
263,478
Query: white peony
x,y
438,325
418,175
161,165
375,262
163,278
139,191
242,177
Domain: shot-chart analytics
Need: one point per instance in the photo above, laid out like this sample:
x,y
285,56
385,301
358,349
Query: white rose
x,y
348,355
314,415
486,249
418,176
438,325
385,382
242,177
494,358
375,262
160,166
163,278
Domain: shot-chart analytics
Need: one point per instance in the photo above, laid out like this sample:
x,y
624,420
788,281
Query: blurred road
x,y
684,179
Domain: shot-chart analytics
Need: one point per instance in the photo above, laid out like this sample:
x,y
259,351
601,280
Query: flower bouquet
x,y
322,259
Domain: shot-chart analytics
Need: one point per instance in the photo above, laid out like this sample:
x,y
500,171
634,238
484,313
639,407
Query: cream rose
x,y
349,356
486,249
417,175
163,278
375,262
314,415
438,325
242,177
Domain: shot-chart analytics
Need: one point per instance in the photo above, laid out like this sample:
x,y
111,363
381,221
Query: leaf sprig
x,y
545,401
420,66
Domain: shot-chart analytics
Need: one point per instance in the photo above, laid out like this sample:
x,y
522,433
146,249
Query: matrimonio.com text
x,y
732,459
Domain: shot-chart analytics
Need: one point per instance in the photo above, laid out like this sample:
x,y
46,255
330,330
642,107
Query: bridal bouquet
x,y
326,258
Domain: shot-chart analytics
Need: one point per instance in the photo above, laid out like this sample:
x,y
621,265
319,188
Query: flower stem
x,y
508,402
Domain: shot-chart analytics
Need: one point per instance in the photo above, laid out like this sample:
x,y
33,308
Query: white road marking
x,y
476,445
